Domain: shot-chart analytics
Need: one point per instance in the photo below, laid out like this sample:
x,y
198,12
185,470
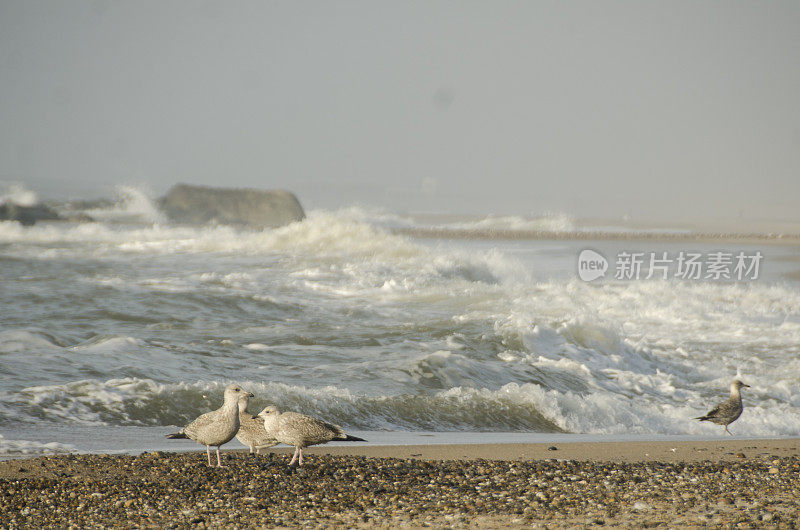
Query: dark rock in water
x,y
27,215
199,205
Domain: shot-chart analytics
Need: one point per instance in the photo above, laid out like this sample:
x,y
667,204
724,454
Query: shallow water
x,y
130,325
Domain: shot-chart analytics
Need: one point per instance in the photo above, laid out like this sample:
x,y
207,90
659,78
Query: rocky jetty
x,y
200,205
27,215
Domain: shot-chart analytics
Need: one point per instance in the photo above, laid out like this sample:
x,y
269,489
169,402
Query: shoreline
x,y
629,452
742,483
556,447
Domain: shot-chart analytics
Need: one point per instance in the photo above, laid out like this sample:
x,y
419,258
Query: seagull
x,y
251,429
217,427
299,430
728,411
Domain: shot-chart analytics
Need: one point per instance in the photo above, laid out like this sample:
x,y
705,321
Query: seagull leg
x,y
208,452
727,431
300,463
294,458
219,462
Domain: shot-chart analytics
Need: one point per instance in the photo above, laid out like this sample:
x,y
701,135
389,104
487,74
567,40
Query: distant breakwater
x,y
452,233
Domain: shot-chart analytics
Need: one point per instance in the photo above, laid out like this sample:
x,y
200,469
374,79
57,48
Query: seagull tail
x,y
349,438
177,435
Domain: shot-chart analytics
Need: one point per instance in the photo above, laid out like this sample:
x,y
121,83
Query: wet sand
x,y
738,483
593,451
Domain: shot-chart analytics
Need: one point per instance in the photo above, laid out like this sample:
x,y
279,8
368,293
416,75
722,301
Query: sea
x,y
116,332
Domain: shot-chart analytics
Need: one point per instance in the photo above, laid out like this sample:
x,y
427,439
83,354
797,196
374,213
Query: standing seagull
x,y
217,427
728,411
301,431
251,429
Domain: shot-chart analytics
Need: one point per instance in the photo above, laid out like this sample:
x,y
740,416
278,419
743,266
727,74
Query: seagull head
x,y
244,400
271,410
234,392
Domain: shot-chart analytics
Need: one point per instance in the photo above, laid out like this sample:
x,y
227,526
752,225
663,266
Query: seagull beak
x,y
250,394
748,386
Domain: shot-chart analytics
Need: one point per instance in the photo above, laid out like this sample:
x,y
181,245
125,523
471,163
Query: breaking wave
x,y
13,448
339,317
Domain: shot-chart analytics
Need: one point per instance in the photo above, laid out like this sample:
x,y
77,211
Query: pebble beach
x,y
737,484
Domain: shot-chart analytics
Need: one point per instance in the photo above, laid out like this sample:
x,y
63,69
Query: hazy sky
x,y
595,108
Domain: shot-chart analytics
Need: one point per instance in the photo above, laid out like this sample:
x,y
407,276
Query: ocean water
x,y
116,331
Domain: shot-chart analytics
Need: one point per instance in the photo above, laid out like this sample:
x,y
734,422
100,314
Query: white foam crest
x,y
369,215
320,235
22,340
256,346
612,413
440,365
551,222
27,447
425,274
328,253
444,410
19,195
132,205
87,402
125,401
665,313
416,275
329,234
135,401
654,351
513,406
104,344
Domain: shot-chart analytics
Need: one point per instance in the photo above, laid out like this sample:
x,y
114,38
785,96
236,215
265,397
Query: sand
x,y
729,483
595,452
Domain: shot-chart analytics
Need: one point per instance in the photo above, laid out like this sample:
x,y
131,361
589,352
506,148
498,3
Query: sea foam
x,y
12,448
342,318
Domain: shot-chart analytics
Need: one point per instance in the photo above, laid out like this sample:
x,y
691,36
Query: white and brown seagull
x,y
217,427
299,430
251,429
728,411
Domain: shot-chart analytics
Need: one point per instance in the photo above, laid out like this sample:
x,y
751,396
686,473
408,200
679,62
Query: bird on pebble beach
x,y
728,411
217,427
301,431
251,429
